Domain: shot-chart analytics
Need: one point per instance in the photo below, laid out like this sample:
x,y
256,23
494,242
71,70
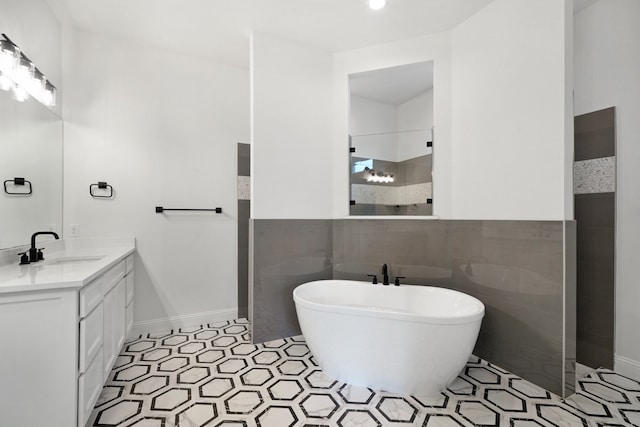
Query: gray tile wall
x,y
286,254
595,217
244,209
244,159
595,135
515,268
570,306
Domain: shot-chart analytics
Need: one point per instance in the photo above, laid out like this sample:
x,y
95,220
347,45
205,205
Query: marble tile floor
x,y
212,376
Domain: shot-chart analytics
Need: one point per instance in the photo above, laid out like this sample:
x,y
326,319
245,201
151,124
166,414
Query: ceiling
x,y
220,29
395,85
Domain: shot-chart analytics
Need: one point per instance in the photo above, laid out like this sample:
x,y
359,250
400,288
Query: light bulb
x,y
20,94
37,83
9,56
377,4
48,96
23,73
5,82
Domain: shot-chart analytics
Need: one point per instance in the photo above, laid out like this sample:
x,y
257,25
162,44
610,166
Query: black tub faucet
x,y
385,275
35,254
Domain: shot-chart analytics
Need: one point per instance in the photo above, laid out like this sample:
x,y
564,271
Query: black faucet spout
x,y
385,274
33,251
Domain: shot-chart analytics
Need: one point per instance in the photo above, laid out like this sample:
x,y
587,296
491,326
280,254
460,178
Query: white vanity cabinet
x,y
103,330
63,322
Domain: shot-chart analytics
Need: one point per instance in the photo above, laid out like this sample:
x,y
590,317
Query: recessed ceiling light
x,y
377,4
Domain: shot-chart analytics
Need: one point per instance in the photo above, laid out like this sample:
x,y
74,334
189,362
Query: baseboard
x,y
184,321
627,367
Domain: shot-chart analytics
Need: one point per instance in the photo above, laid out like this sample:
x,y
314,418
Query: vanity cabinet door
x,y
38,358
91,335
130,280
89,388
114,324
129,315
121,322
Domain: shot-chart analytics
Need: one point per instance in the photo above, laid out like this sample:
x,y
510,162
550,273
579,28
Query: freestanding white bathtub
x,y
403,339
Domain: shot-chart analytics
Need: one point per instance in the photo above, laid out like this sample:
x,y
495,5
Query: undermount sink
x,y
74,260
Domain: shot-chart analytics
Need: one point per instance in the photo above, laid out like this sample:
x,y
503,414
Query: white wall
x,y
162,129
511,124
416,113
372,126
291,129
367,116
381,131
435,47
607,66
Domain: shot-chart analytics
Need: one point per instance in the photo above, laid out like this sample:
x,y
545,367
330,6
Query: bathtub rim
x,y
473,317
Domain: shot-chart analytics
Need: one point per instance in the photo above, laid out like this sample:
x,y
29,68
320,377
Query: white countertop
x,y
49,275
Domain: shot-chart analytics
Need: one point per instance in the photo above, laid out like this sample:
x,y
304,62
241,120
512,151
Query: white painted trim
x,y
184,321
627,367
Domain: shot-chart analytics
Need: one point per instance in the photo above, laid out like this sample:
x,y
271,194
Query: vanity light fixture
x,y
377,4
20,76
373,176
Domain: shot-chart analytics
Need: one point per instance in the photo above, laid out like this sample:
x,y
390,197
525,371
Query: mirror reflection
x,y
30,148
391,136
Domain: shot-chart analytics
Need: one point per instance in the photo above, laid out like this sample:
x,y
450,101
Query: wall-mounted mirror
x,y
30,148
391,137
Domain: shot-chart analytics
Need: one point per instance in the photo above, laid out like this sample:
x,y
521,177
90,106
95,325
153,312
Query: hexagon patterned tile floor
x,y
213,376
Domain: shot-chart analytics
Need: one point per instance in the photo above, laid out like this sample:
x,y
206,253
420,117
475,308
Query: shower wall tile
x,y
596,277
418,169
244,159
594,202
594,176
244,209
571,307
244,188
595,135
378,194
365,209
287,253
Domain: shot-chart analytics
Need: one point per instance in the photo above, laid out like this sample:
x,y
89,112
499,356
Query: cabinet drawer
x,y
129,264
112,277
130,279
89,389
129,316
92,294
90,337
90,297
